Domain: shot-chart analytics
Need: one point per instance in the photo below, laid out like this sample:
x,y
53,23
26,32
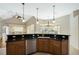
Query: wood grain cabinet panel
x,y
42,45
56,50
16,48
53,46
64,47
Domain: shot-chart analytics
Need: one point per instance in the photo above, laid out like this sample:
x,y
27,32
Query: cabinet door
x,y
42,45
56,47
46,45
51,46
20,47
16,48
65,47
10,49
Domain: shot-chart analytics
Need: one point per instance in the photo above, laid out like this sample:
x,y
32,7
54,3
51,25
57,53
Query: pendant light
x,y
23,13
37,21
53,13
21,17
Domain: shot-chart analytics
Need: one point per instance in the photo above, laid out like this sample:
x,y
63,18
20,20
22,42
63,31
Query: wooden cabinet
x,y
29,43
16,48
53,46
43,44
64,47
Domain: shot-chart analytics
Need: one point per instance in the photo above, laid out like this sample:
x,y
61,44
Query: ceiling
x,y
45,9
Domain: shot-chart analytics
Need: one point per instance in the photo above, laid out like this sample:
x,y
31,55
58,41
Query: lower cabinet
x,y
64,47
53,46
48,45
42,45
16,48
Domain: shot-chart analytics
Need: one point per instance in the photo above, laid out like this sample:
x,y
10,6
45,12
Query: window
x,y
30,29
18,29
49,29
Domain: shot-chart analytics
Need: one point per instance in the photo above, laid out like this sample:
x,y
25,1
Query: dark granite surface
x,y
18,37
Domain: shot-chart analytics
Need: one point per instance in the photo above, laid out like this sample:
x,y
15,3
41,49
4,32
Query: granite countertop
x,y
43,37
39,34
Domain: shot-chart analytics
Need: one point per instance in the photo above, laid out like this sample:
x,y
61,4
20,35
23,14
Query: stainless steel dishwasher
x,y
30,46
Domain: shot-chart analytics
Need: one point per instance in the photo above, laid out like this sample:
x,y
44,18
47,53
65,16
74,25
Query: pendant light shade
x,y
53,21
37,21
21,18
23,12
53,13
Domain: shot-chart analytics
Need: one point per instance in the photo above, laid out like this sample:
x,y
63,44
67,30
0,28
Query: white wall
x,y
0,27
2,51
74,30
78,32
31,21
12,28
64,24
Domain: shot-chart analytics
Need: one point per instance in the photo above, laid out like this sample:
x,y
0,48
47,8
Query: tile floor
x,y
2,51
73,51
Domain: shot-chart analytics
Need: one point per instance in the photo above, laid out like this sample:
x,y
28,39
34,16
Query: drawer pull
x,y
37,35
14,39
22,35
33,35
54,38
13,36
54,35
63,36
22,38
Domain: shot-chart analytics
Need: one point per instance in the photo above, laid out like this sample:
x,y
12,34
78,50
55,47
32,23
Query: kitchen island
x,y
25,44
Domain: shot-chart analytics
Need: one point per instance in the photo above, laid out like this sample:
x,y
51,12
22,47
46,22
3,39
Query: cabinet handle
x,y
13,36
54,35
33,35
37,35
54,38
63,36
22,35
14,39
